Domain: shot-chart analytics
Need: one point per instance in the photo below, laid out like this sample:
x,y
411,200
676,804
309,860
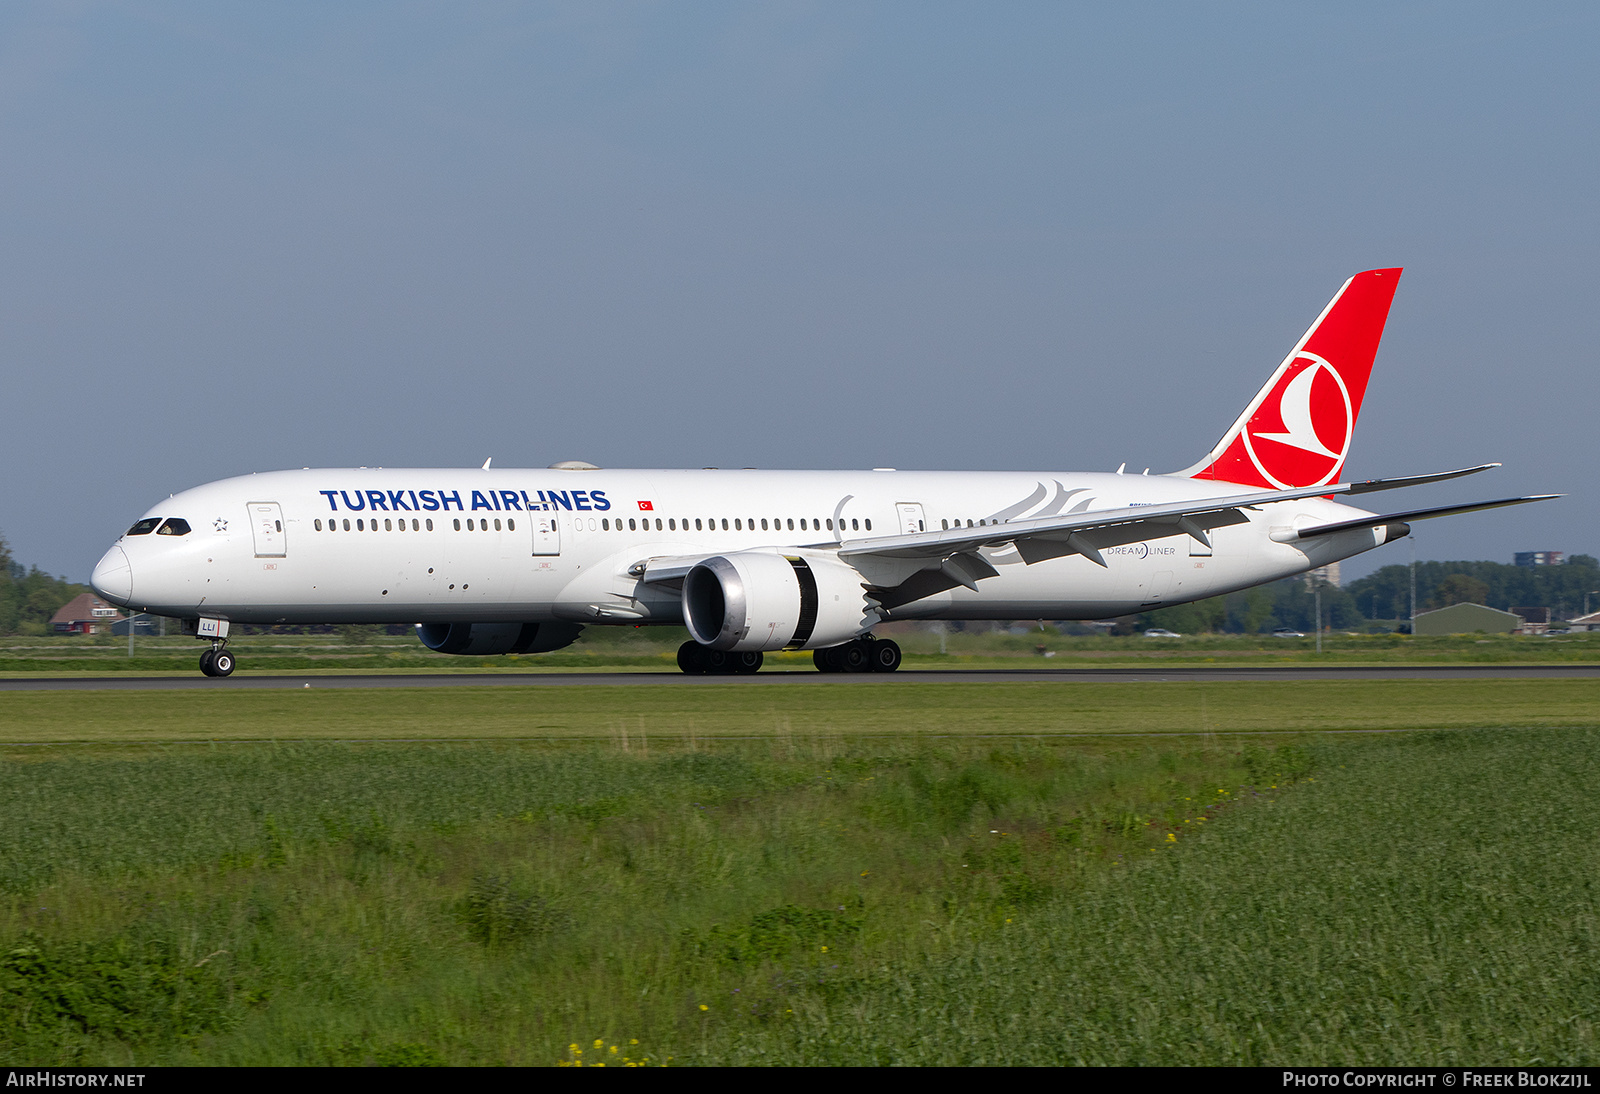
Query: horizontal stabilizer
x,y
1406,518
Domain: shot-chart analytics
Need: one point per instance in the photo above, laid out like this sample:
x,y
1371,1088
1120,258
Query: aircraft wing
x,y
1089,532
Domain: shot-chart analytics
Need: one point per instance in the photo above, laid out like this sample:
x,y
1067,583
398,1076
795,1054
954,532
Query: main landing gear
x,y
698,660
867,654
217,661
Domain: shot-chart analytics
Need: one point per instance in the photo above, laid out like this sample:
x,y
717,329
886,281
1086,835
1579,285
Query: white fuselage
x,y
452,545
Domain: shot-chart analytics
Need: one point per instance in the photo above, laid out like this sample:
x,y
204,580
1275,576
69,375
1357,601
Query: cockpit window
x,y
144,527
175,526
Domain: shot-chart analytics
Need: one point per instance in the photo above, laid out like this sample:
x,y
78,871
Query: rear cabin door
x,y
911,519
266,524
546,534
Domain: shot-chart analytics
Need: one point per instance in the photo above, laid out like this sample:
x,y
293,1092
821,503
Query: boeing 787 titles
x,y
494,561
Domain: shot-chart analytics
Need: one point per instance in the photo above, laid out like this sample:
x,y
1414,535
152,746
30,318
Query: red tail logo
x,y
1297,430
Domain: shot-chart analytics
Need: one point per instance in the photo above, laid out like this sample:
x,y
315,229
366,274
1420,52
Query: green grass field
x,y
900,706
905,873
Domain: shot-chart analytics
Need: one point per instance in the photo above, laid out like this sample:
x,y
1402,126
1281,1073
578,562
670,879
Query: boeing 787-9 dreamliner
x,y
494,561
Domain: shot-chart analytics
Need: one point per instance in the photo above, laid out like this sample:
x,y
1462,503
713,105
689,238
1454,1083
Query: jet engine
x,y
475,639
754,600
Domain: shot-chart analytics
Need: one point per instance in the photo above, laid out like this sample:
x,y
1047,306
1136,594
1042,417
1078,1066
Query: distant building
x,y
1328,575
1534,620
1466,619
1590,622
1540,558
84,614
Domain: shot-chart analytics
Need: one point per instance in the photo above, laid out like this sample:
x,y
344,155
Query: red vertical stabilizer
x,y
1296,431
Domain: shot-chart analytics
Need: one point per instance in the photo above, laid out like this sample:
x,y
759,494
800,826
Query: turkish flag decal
x,y
647,507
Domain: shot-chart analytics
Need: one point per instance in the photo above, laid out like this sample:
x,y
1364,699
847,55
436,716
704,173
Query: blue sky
x,y
239,237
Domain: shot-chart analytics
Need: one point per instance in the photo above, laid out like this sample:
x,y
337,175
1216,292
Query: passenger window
x,y
318,523
346,524
496,524
430,524
632,527
724,524
791,524
672,524
471,527
457,523
360,527
176,526
483,526
605,524
830,524
855,525
511,525
144,527
946,525
658,524
763,524
697,524
387,526
736,527
415,527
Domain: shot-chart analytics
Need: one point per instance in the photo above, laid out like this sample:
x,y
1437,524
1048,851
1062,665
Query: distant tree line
x,y
1386,594
29,596
1385,597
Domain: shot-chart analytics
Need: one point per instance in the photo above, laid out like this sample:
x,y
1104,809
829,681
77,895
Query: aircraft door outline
x,y
266,525
546,534
911,518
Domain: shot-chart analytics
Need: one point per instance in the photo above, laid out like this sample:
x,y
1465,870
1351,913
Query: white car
x,y
1157,632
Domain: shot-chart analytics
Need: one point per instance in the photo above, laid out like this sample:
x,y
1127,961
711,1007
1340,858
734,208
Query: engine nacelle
x,y
755,600
484,639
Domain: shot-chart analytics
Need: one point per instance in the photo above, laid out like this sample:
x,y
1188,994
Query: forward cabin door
x,y
266,524
911,519
546,534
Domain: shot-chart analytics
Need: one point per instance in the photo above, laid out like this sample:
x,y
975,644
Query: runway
x,y
1132,674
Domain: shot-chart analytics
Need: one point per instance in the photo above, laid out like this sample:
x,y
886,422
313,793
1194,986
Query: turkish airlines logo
x,y
1300,435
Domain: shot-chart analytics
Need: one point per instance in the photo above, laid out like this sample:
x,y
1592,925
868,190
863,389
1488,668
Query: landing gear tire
x,y
692,659
827,660
747,664
216,662
883,655
853,657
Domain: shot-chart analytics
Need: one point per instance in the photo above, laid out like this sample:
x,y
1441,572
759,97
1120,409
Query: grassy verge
x,y
1429,900
481,904
648,712
1413,899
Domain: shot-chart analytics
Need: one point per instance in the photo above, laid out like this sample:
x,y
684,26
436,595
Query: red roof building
x,y
85,614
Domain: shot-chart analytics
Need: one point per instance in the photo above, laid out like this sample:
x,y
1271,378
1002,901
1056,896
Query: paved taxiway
x,y
924,676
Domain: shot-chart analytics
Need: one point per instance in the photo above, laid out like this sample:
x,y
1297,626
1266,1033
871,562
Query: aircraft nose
x,y
113,577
